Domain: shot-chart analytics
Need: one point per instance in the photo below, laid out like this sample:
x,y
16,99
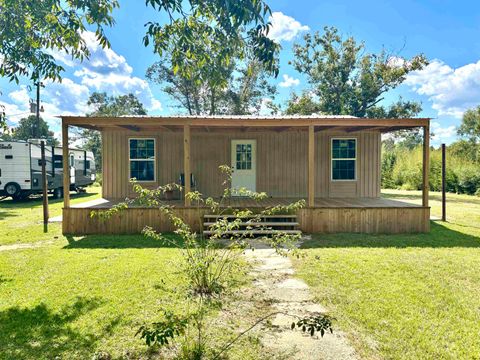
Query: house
x,y
334,162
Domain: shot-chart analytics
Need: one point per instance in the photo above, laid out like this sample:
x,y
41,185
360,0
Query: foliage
x,y
402,168
209,261
470,127
27,129
348,81
204,34
30,31
105,105
159,332
234,89
314,323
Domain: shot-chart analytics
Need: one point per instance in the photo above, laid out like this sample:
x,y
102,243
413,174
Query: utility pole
x,y
44,187
44,160
37,127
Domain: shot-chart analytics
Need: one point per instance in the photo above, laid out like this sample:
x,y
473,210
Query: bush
x,y
403,169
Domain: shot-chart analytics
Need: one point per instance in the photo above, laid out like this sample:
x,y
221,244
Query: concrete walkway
x,y
274,278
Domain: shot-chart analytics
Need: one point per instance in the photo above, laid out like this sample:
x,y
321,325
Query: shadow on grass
x,y
440,236
39,332
123,242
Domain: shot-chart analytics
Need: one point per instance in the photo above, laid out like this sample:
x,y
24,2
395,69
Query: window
x,y
344,158
244,157
58,161
72,160
142,159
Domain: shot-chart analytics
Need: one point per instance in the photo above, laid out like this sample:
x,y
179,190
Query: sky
x,y
447,32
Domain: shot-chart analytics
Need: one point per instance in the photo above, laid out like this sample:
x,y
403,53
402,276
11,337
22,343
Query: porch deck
x,y
345,203
365,215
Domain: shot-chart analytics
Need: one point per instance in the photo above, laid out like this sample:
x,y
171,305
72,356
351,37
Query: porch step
x,y
255,232
252,226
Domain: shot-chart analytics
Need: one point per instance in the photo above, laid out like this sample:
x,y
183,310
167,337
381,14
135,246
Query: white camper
x,y
21,170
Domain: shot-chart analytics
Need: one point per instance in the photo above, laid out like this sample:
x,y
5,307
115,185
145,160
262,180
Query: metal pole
x,y
444,185
37,127
44,188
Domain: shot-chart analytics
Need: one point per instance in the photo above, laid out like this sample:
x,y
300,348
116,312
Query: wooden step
x,y
266,223
276,216
255,232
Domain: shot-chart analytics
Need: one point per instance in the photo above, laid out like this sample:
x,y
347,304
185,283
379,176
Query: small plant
x,y
208,261
314,323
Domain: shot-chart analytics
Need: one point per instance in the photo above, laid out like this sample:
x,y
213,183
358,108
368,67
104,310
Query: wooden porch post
x,y
186,161
311,166
426,164
66,168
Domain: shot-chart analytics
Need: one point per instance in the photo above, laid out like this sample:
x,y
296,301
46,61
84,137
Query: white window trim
x,y
154,159
332,159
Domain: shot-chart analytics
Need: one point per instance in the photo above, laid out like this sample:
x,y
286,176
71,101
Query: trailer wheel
x,y
58,193
13,190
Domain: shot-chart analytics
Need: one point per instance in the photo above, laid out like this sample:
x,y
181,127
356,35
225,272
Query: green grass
x,y
22,221
71,297
404,296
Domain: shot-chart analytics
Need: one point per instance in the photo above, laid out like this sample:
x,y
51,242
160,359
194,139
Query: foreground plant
x,y
209,261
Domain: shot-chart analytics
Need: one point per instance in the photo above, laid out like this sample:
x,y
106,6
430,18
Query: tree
x,y
470,127
31,30
348,81
207,33
105,105
26,129
234,90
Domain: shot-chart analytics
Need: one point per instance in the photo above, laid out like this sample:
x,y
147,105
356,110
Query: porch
x,y
328,215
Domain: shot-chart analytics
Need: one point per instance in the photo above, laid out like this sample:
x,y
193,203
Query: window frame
x,y
354,159
154,159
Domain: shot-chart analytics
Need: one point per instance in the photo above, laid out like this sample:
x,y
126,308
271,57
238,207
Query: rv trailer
x,y
21,169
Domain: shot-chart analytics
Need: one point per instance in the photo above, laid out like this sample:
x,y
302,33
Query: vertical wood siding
x,y
281,162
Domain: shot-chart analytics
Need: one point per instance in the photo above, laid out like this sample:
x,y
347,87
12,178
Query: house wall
x,y
281,162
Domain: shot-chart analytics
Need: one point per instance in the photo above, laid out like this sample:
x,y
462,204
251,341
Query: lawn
x,y
404,296
69,298
22,221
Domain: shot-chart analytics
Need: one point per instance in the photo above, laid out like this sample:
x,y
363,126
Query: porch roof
x,y
245,122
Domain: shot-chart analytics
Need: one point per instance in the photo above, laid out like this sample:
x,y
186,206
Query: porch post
x,y
186,161
311,166
426,164
66,168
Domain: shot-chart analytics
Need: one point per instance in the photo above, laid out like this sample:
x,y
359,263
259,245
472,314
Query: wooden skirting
x,y
388,220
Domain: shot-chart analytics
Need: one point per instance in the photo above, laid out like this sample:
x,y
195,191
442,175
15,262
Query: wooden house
x,y
333,162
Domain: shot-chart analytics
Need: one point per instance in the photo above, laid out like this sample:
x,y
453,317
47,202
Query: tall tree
x,y
233,89
470,127
26,129
347,80
105,105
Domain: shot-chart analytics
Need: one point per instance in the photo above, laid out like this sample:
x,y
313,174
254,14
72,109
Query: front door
x,y
244,164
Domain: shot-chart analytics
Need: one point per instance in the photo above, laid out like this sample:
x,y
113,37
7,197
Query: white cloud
x,y
452,91
289,81
105,70
443,134
284,28
21,96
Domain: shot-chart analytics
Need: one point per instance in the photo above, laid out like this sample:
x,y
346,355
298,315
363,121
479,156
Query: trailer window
x,y
142,159
87,164
72,160
58,161
8,156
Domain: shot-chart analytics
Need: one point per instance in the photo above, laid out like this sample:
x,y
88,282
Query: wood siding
x,y
77,221
282,159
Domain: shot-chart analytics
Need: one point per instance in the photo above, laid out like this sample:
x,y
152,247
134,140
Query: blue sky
x,y
447,32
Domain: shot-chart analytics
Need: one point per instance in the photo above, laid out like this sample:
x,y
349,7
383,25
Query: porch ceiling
x,y
245,123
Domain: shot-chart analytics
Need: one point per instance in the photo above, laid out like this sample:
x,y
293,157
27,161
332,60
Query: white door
x,y
244,164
